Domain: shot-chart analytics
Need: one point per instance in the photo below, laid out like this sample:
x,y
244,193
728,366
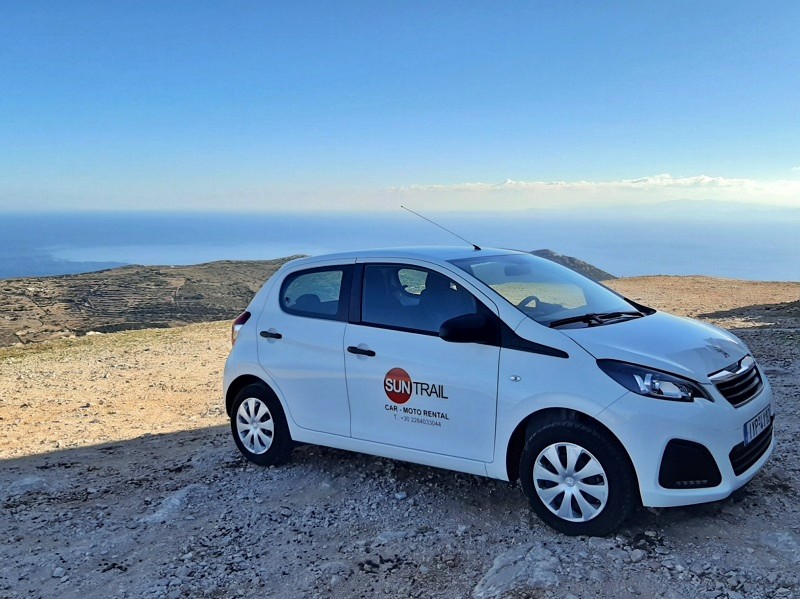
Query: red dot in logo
x,y
397,385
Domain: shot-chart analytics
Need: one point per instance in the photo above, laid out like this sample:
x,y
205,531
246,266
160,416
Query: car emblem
x,y
717,348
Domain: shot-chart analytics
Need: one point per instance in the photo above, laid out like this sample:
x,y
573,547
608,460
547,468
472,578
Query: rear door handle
x,y
271,335
361,352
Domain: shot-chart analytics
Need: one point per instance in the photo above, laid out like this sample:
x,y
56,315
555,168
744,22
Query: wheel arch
x,y
516,442
240,383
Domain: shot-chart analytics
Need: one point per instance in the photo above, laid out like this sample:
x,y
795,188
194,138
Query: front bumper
x,y
645,426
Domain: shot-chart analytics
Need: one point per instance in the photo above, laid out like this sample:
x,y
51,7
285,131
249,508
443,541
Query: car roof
x,y
435,253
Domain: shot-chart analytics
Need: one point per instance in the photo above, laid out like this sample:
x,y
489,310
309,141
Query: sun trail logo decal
x,y
399,387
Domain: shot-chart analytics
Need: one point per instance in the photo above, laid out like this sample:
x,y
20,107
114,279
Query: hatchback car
x,y
501,364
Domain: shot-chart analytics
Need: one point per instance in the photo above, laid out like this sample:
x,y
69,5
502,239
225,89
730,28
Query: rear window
x,y
317,293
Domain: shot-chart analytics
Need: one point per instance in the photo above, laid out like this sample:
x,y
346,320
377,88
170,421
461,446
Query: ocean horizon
x,y
753,245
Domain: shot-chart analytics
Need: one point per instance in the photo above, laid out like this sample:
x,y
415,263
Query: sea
x,y
736,242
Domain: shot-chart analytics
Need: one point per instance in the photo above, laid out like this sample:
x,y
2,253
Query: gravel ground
x,y
101,498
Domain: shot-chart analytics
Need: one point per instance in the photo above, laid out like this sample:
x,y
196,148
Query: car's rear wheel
x,y
578,478
259,426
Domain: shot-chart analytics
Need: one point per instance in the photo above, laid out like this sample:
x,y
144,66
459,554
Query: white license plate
x,y
757,424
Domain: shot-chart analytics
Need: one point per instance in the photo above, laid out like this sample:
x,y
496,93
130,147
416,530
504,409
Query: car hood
x,y
663,341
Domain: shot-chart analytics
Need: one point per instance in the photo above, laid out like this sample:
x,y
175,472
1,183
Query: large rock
x,y
784,542
173,504
27,484
528,566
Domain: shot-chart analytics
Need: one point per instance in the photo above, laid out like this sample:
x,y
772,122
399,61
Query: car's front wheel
x,y
578,478
259,426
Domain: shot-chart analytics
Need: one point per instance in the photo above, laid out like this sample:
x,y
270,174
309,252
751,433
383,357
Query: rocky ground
x,y
118,478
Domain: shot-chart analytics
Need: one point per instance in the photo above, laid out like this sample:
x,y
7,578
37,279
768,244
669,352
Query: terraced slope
x,y
138,297
131,297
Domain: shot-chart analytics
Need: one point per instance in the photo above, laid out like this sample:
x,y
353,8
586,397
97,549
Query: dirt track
x,y
118,478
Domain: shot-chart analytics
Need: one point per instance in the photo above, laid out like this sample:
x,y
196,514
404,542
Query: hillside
x,y
137,297
130,297
584,268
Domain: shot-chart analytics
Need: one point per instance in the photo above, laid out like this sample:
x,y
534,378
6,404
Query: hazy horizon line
x,y
709,204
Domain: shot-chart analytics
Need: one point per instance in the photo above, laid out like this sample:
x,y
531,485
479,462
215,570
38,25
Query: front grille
x,y
740,382
743,456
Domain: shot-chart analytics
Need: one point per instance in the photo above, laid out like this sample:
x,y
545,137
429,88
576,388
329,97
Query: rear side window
x,y
317,293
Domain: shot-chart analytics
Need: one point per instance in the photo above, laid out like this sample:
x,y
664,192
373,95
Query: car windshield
x,y
549,293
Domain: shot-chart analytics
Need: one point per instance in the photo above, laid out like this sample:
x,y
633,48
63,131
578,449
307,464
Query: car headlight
x,y
653,383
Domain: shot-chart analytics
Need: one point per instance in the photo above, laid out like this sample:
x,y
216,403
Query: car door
x,y
407,386
301,332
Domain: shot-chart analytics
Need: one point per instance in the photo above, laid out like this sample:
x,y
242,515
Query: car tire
x,y
578,478
259,426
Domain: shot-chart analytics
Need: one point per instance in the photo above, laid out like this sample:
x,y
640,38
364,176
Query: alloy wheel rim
x,y
570,482
255,425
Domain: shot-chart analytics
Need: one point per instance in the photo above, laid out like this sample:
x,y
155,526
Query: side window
x,y
317,293
412,299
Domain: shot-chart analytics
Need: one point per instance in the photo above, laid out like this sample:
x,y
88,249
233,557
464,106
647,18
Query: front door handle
x,y
361,352
271,335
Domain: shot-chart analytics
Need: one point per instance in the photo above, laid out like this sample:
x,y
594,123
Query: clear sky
x,y
445,105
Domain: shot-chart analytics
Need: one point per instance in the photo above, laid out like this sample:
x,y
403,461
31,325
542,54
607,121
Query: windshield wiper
x,y
594,318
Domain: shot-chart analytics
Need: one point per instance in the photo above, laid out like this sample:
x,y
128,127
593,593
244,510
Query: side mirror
x,y
470,328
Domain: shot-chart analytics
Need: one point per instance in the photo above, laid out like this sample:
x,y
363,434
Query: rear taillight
x,y
237,325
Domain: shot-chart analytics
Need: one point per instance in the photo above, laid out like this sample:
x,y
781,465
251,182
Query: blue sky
x,y
363,105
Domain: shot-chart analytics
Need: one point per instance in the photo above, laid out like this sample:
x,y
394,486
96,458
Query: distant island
x,y
138,297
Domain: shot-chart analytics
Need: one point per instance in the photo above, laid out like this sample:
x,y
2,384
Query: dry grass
x,y
103,388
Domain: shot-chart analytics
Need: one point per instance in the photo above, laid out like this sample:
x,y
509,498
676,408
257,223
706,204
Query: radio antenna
x,y
477,248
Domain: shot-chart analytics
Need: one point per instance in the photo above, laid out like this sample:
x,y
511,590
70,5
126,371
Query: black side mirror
x,y
470,328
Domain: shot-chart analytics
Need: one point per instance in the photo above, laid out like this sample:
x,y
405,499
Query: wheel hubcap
x,y
570,481
255,425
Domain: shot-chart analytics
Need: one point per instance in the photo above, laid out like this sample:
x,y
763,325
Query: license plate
x,y
757,424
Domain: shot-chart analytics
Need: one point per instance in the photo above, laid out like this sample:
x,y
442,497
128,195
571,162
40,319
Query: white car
x,y
502,364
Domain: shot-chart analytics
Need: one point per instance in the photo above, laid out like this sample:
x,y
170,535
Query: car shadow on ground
x,y
154,461
135,475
